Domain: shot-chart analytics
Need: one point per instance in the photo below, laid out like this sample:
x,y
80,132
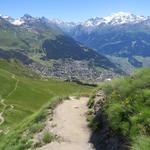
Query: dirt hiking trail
x,y
69,122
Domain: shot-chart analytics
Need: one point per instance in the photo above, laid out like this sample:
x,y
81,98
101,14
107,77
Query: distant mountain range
x,y
123,37
120,42
41,45
120,34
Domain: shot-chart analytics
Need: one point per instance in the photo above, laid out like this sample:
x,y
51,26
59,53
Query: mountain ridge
x,y
120,17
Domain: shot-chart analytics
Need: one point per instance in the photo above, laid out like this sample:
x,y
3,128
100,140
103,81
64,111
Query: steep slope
x,y
119,40
40,44
27,36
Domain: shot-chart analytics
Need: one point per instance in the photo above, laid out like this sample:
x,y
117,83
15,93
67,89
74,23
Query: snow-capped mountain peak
x,y
5,17
13,21
93,22
65,26
28,18
17,22
123,17
63,23
115,19
57,21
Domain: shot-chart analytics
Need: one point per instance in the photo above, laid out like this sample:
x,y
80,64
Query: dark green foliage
x,y
91,101
37,127
93,123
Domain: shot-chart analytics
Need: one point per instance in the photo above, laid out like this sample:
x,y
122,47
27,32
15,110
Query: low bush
x,y
48,137
127,107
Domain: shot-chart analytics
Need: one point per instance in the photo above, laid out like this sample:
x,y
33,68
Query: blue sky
x,y
72,10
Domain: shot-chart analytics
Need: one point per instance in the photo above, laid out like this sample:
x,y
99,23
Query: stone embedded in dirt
x,y
76,107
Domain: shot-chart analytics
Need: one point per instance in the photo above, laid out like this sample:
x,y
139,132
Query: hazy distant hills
x,y
43,46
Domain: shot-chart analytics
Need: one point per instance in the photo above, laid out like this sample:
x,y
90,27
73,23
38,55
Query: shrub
x,y
48,137
36,127
91,101
141,143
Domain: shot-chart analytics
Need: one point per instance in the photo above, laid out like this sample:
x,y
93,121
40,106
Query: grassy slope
x,y
15,67
31,93
128,108
124,64
144,60
12,37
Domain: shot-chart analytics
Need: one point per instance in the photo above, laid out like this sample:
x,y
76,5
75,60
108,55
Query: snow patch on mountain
x,y
63,23
65,26
122,18
17,22
13,21
4,17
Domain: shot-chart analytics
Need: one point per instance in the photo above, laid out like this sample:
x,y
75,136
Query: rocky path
x,y
1,114
15,87
70,124
1,118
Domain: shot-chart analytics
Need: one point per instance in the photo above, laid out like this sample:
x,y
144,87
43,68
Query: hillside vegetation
x,y
127,109
23,93
44,40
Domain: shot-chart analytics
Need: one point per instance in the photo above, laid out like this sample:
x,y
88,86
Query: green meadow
x,y
24,93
